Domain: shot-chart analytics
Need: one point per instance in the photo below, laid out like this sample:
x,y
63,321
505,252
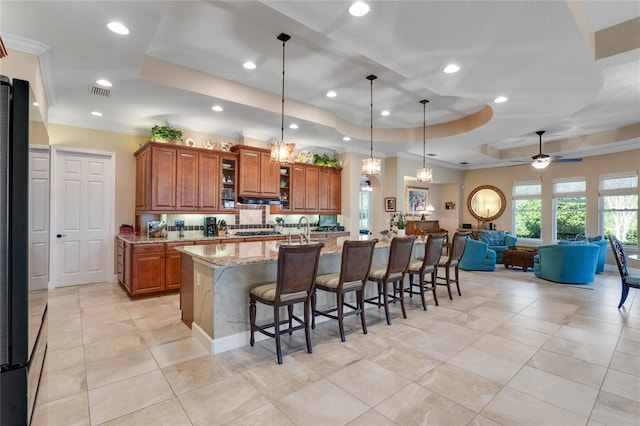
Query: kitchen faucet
x,y
307,234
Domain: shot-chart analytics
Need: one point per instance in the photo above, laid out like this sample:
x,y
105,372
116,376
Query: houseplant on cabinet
x,y
165,134
401,224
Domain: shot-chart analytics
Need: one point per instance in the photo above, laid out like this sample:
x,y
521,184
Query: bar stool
x,y
297,269
452,261
354,270
393,272
426,265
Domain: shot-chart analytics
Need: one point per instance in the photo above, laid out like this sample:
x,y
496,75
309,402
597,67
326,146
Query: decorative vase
x,y
401,232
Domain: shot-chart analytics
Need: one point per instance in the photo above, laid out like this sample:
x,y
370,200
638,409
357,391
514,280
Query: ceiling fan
x,y
541,161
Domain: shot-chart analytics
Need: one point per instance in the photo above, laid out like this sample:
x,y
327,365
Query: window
x,y
569,207
364,221
527,209
619,207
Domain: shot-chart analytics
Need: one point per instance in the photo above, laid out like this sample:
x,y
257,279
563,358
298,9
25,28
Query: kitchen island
x,y
216,280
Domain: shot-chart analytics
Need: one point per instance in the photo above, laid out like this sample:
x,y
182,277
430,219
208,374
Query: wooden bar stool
x,y
426,265
297,269
354,270
393,272
452,261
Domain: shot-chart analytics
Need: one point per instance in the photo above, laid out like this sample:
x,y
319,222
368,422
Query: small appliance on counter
x,y
210,227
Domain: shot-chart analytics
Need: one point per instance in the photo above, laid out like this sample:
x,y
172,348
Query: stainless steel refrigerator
x,y
21,355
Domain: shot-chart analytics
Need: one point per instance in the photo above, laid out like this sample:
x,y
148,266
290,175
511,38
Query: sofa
x,y
567,263
478,256
497,241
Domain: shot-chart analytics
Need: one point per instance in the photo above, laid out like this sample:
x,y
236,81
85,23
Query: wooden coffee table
x,y
522,257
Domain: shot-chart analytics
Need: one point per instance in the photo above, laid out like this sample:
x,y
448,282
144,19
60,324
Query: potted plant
x,y
222,228
165,134
401,224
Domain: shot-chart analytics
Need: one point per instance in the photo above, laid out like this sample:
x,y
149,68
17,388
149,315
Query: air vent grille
x,y
99,91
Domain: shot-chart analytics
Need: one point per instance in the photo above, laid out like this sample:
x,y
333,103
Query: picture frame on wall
x,y
416,199
449,205
390,204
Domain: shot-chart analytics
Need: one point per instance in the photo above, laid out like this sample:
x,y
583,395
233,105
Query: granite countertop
x,y
229,254
198,236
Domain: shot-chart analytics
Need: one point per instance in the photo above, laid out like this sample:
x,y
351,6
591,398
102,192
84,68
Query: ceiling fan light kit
x,y
371,166
541,161
281,151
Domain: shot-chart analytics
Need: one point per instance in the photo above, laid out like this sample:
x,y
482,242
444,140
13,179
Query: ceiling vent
x,y
99,91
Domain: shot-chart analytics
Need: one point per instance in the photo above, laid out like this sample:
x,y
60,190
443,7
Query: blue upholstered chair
x,y
478,257
621,259
598,241
567,263
497,241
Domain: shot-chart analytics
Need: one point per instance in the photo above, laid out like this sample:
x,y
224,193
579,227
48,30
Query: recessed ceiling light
x,y
331,94
118,28
451,68
96,113
249,65
346,139
293,126
217,108
104,83
500,99
385,113
36,104
358,9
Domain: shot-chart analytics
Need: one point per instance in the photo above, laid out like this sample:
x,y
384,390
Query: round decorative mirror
x,y
486,203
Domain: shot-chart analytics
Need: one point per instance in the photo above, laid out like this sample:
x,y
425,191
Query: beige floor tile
x,y
611,409
556,390
67,340
405,362
158,321
327,358
505,348
101,300
196,373
629,346
631,334
486,365
545,315
94,320
139,312
371,418
368,382
60,383
171,333
511,407
491,314
321,403
178,351
570,368
276,381
222,401
266,415
103,309
482,421
70,411
536,324
165,413
436,347
368,345
579,350
626,363
622,384
64,358
126,396
522,335
64,324
587,336
115,346
460,385
593,324
107,331
414,405
246,357
109,370
454,332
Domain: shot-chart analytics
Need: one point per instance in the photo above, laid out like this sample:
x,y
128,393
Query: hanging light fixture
x,y
424,174
371,166
281,151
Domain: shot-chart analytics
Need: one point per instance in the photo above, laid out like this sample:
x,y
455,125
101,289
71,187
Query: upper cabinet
x,y
329,190
182,179
258,176
314,189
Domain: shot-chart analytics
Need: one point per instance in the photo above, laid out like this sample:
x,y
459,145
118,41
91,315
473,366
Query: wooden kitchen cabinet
x,y
197,181
258,176
173,264
147,268
304,188
329,190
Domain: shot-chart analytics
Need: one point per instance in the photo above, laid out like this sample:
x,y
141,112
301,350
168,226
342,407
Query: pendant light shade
x,y
281,151
371,166
424,174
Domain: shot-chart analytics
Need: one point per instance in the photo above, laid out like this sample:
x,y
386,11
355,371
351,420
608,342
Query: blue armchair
x,y
567,263
598,241
497,241
478,257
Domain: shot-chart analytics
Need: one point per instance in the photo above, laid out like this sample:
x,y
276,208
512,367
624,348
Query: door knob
x,y
61,235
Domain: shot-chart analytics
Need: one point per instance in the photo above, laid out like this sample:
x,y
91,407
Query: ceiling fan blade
x,y
567,160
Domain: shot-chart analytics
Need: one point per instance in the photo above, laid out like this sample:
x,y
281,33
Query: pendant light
x,y
281,151
371,166
424,174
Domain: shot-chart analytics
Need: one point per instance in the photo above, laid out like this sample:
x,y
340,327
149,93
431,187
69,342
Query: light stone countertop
x,y
198,236
229,254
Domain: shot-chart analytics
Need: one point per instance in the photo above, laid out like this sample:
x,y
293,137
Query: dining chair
x,y
393,272
621,260
295,278
458,244
426,265
354,270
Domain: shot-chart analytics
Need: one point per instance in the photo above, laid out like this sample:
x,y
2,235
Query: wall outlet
x,y
179,223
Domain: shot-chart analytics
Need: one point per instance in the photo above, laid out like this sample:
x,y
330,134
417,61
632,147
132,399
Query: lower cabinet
x,y
147,268
173,265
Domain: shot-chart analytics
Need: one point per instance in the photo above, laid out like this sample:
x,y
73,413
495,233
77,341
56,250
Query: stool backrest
x,y
458,245
618,253
400,254
297,268
356,260
433,250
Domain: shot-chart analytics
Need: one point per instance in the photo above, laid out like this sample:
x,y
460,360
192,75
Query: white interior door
x,y
38,217
83,207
